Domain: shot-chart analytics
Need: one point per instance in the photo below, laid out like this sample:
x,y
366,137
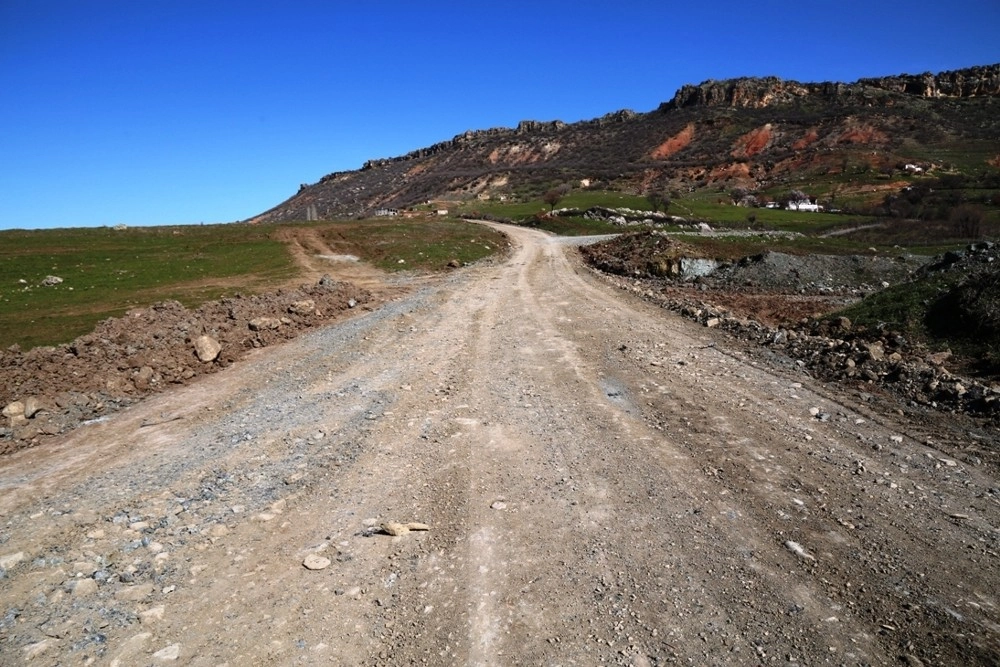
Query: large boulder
x,y
207,348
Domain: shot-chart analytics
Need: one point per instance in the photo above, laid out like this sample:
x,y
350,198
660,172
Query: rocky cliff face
x,y
970,82
756,93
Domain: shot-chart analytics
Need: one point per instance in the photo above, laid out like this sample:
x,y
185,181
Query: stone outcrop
x,y
760,92
969,82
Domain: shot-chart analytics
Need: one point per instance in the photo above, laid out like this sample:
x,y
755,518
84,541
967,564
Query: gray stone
x,y
168,653
875,351
152,615
84,587
263,323
304,307
14,409
207,348
32,406
10,560
316,562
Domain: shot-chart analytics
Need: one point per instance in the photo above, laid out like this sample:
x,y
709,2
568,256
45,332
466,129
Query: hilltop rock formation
x,y
748,132
970,82
756,93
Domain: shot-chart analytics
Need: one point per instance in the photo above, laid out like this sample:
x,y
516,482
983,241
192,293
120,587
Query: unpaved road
x,y
604,483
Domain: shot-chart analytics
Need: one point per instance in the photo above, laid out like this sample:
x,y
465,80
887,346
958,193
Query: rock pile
x,y
815,274
837,350
48,390
656,255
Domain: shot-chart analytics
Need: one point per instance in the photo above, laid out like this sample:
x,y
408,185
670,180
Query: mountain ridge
x,y
975,81
748,132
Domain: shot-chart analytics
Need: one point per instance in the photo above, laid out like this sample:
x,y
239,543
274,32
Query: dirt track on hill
x,y
602,483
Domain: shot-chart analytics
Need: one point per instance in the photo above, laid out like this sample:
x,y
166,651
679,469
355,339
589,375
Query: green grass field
x,y
427,244
709,206
106,272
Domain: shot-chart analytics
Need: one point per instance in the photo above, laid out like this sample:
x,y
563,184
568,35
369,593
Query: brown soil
x,y
316,258
676,143
810,138
862,134
603,483
753,142
767,308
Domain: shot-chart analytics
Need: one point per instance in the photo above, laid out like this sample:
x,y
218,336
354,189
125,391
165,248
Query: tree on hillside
x,y
967,221
797,195
658,200
743,197
555,195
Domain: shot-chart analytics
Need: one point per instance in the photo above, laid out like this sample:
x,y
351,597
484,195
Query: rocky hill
x,y
750,132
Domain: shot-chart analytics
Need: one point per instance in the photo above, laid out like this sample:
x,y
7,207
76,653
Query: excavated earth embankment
x,y
50,390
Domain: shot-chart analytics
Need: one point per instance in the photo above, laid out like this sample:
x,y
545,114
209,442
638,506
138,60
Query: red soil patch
x,y
674,144
810,138
862,134
753,142
729,171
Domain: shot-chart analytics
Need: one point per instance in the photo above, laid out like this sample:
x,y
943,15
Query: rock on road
x,y
571,477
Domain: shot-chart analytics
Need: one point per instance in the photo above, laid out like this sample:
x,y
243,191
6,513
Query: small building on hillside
x,y
804,206
386,212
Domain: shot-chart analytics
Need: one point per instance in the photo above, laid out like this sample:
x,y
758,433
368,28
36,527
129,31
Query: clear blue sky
x,y
149,112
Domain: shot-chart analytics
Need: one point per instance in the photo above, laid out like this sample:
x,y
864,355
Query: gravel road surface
x,y
587,480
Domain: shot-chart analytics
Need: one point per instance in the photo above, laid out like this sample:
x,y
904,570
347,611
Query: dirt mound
x,y
968,307
49,390
654,255
643,254
812,274
783,303
977,304
833,349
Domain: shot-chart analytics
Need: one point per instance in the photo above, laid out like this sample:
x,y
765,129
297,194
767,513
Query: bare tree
x,y
967,221
555,195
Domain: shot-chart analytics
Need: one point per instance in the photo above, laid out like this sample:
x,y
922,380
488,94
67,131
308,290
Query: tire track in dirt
x,y
605,483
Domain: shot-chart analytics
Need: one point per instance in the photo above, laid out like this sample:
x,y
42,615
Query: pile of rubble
x,y
835,349
855,275
654,254
49,390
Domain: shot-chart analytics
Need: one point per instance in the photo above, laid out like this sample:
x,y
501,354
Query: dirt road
x,y
603,483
